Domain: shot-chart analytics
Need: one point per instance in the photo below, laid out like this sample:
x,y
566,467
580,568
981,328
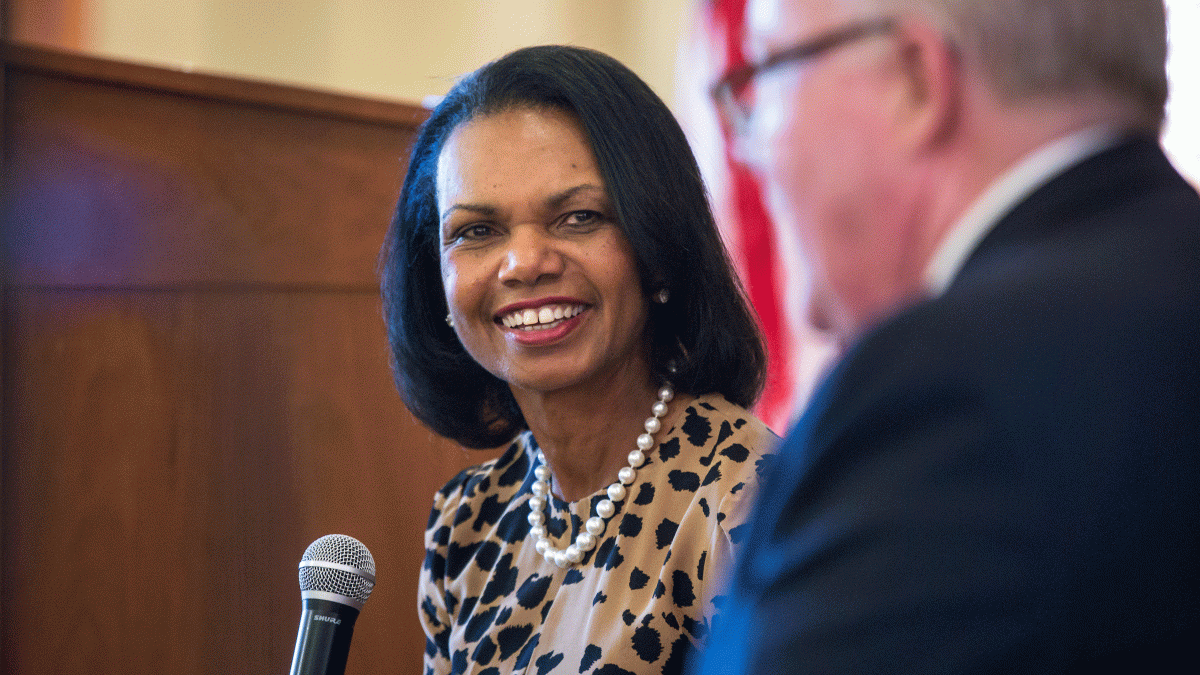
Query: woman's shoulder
x,y
734,449
713,420
477,482
715,447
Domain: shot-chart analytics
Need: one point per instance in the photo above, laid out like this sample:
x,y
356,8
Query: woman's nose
x,y
530,257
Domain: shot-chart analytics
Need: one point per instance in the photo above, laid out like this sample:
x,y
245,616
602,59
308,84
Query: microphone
x,y
337,574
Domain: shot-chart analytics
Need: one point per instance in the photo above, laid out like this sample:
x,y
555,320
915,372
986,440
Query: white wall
x,y
1181,137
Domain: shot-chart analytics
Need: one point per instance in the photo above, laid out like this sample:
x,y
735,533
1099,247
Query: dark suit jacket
x,y
1004,478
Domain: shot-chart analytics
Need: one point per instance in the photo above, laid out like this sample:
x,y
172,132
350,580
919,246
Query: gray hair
x,y
1032,48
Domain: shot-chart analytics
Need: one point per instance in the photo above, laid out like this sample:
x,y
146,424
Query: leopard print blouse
x,y
491,604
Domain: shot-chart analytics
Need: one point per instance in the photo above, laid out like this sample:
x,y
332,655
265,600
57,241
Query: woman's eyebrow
x,y
552,202
556,200
481,209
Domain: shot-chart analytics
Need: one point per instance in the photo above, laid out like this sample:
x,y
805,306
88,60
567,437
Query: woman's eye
x,y
473,232
582,219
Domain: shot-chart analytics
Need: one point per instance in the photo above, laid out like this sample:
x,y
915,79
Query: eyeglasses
x,y
732,93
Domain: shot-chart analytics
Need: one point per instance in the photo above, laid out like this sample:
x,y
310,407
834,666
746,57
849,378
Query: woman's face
x,y
540,280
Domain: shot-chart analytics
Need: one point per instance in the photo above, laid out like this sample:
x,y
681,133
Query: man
x,y
1000,475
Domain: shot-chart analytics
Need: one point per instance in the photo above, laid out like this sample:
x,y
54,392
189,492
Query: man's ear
x,y
930,73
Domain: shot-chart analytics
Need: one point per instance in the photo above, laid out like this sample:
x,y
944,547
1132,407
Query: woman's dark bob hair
x,y
654,184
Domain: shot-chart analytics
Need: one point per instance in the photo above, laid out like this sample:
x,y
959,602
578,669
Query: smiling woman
x,y
528,236
553,281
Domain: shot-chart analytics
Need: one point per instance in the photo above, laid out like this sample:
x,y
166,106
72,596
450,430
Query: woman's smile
x,y
541,317
542,324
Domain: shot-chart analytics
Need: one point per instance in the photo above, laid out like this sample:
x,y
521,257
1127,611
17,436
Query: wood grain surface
x,y
196,381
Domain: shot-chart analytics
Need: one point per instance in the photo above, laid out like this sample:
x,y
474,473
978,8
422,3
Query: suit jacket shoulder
x,y
1006,474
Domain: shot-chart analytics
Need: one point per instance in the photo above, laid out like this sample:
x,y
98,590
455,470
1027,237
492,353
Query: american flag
x,y
796,353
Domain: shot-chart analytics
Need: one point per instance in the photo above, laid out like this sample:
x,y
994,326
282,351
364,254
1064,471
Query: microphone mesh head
x,y
342,550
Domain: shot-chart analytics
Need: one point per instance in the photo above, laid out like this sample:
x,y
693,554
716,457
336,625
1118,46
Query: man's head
x,y
876,123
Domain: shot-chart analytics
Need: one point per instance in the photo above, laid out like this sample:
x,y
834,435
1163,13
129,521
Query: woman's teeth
x,y
540,318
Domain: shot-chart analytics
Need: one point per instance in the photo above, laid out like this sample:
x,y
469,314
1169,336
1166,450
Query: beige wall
x,y
395,49
410,49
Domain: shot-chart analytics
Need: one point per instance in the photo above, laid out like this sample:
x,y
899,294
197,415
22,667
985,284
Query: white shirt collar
x,y
1011,188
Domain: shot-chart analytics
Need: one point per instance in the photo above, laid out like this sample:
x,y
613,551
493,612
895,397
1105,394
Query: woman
x,y
553,280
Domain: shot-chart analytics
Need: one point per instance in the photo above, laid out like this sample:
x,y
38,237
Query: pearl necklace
x,y
605,508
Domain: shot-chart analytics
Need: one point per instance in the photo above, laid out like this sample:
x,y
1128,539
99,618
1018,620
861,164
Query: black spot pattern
x,y
590,655
638,579
513,527
479,623
739,533
668,450
505,615
547,662
533,591
430,610
724,434
490,603
489,513
485,651
468,607
610,669
665,533
441,536
512,638
608,555
464,514
713,475
515,473
527,652
682,591
631,525
678,657
503,581
647,642
459,556
487,555
684,480
645,494
697,427
737,452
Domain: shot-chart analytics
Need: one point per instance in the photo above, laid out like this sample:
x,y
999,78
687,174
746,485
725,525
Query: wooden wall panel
x,y
195,372
127,186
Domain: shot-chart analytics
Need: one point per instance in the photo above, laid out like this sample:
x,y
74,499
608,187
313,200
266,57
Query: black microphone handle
x,y
324,638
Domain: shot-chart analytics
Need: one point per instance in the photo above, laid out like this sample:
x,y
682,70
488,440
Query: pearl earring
x,y
662,296
450,321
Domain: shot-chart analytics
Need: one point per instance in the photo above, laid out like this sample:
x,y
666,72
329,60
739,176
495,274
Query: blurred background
x,y
409,50
194,375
